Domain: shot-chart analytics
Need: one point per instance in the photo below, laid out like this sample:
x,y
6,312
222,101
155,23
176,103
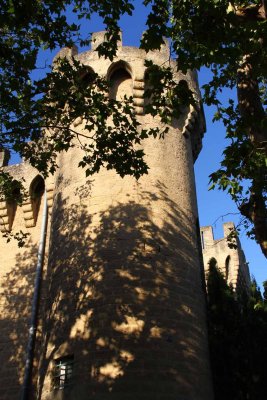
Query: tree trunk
x,y
253,114
255,211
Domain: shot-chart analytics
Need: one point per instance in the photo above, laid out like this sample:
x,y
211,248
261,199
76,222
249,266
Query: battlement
x,y
207,236
128,70
100,37
230,261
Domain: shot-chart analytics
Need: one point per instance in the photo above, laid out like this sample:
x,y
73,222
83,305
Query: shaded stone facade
x,y
122,310
230,261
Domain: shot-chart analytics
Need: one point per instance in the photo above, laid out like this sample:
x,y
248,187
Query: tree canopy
x,y
228,37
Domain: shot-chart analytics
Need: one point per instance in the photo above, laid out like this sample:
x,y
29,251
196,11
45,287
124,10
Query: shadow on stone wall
x,y
124,299
16,297
123,296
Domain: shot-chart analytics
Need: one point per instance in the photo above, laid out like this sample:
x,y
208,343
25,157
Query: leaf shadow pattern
x,y
125,298
16,301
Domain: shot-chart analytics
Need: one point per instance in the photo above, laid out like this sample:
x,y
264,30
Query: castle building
x,y
230,261
121,303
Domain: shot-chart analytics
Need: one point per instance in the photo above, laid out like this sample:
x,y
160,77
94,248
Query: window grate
x,y
63,373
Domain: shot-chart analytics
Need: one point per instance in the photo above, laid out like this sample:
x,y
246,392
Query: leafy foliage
x,y
66,94
29,107
11,189
38,115
167,98
237,331
228,37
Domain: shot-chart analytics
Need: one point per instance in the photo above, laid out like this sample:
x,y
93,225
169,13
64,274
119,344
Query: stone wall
x,y
17,275
230,261
122,306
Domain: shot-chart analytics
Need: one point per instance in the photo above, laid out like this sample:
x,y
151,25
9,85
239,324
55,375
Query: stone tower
x,y
230,261
122,310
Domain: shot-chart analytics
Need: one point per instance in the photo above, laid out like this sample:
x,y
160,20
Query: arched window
x,y
120,79
36,192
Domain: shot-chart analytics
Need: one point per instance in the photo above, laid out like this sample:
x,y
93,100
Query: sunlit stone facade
x,y
122,308
230,261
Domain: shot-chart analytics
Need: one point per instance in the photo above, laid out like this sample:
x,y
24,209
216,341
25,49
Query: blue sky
x,y
213,205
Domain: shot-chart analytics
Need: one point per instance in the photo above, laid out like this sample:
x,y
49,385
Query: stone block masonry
x,y
122,314
230,261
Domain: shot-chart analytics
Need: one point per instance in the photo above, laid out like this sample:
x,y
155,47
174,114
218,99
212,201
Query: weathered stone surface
x,y
230,261
122,288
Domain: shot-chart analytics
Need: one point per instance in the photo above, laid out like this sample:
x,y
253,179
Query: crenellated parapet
x,y
128,70
230,261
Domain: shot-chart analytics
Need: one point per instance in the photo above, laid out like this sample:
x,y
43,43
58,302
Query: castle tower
x,y
230,261
122,313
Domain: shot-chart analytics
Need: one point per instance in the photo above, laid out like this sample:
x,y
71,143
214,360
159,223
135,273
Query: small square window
x,y
63,372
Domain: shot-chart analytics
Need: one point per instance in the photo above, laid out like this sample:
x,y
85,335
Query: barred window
x,y
63,375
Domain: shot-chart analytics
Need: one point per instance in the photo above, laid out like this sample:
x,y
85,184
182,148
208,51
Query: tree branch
x,y
255,211
252,12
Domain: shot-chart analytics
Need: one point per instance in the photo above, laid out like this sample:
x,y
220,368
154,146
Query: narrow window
x,y
202,240
148,89
63,375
